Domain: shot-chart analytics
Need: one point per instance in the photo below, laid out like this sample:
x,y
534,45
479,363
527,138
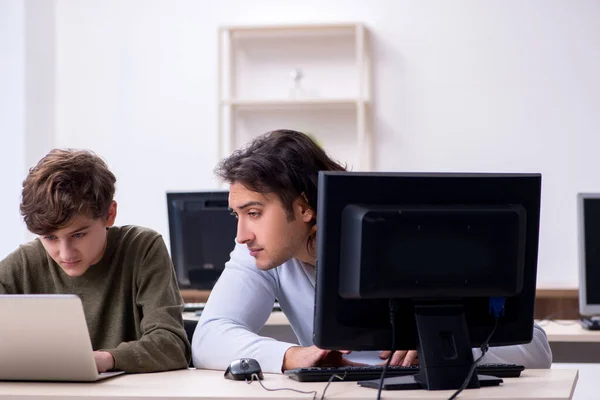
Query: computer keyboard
x,y
323,374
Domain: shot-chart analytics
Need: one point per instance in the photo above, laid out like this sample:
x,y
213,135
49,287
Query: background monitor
x,y
202,234
588,205
443,246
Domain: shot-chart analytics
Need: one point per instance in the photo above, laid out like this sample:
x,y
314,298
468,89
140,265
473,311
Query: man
x,y
123,275
273,193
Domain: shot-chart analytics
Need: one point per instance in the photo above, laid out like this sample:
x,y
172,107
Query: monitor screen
x,y
589,253
440,242
202,234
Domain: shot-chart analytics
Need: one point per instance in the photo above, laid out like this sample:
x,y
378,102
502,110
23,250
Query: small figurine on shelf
x,y
297,91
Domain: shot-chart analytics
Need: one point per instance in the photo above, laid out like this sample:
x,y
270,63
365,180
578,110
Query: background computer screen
x,y
202,235
589,238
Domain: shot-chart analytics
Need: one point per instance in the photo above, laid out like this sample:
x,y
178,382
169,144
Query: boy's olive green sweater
x,y
131,300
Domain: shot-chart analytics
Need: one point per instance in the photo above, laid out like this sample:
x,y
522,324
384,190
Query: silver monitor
x,y
588,207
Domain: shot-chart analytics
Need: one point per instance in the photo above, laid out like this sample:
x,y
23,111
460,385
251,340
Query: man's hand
x,y
304,357
401,357
104,361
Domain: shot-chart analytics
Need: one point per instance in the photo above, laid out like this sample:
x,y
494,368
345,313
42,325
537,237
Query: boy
x,y
123,275
273,193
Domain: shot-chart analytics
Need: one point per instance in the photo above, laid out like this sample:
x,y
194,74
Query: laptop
x,y
45,338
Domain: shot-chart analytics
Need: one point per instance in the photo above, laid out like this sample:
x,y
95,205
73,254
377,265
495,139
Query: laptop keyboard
x,y
360,373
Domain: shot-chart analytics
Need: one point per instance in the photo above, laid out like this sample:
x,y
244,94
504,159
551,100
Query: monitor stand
x,y
444,351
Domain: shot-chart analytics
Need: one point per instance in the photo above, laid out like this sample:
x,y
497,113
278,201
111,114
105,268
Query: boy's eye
x,y
254,214
79,235
50,237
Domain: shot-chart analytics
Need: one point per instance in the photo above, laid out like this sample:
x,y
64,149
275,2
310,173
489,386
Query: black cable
x,y
393,307
255,376
484,348
313,392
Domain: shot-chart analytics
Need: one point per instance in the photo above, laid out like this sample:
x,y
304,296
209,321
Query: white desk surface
x,y
550,384
568,331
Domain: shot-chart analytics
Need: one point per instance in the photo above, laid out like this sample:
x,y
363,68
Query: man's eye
x,y
50,237
254,214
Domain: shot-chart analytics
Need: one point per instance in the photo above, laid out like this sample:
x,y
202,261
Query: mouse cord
x,y
341,378
314,392
255,376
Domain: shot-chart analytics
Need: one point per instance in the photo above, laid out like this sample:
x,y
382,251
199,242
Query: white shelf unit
x,y
255,86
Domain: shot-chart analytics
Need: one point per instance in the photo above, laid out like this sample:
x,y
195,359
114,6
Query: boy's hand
x,y
104,361
401,357
304,357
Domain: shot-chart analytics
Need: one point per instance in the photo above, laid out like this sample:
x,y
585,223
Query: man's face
x,y
264,226
81,244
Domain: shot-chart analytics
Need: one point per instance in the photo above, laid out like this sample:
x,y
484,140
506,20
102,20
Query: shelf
x,y
293,103
327,66
329,28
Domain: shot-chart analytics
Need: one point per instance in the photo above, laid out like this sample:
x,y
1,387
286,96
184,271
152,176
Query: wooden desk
x,y
571,343
586,344
569,331
559,303
277,327
204,384
277,318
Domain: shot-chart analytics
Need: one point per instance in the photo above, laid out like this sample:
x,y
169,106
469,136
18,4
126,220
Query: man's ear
x,y
111,215
307,214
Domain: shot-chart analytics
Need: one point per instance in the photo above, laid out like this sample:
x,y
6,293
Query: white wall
x,y
460,86
12,122
40,79
135,83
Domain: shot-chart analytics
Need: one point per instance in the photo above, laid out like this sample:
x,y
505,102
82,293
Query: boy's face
x,y
264,226
81,244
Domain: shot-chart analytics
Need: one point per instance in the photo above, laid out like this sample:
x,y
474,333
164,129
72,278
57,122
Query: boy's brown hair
x,y
64,184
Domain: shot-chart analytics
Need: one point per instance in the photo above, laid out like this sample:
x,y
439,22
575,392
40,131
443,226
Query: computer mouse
x,y
243,369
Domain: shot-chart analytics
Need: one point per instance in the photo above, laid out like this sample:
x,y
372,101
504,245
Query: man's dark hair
x,y
283,162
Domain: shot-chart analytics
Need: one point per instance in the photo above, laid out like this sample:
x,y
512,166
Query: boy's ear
x,y
112,214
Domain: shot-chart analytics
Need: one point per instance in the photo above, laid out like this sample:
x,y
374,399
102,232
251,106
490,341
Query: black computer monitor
x,y
588,207
440,245
202,235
